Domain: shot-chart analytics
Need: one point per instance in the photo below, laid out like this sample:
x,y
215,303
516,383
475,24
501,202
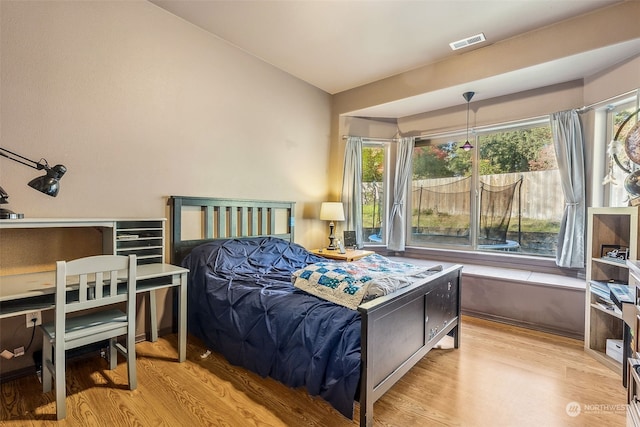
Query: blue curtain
x,y
352,187
398,214
569,146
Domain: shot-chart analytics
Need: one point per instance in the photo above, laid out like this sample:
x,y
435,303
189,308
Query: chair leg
x,y
153,316
113,353
131,359
60,380
46,360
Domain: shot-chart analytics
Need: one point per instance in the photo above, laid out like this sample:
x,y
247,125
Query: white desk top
x,y
67,222
30,285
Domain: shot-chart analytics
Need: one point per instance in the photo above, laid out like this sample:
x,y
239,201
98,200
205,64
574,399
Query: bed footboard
x,y
399,329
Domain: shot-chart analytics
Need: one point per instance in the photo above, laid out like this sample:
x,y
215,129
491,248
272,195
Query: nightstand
x,y
349,255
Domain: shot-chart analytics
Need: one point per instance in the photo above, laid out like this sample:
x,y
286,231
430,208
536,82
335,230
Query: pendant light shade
x,y
467,145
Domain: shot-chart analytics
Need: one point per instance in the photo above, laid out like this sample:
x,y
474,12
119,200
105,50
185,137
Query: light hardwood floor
x,y
501,376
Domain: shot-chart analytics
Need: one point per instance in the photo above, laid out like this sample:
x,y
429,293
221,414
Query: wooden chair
x,y
90,284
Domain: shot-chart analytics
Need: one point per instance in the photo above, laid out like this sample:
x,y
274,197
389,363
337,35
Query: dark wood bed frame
x,y
397,330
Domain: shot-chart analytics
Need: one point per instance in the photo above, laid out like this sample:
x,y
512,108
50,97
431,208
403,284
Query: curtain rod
x,y
372,139
586,108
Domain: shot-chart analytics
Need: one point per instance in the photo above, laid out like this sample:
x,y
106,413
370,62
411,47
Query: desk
x,y
24,293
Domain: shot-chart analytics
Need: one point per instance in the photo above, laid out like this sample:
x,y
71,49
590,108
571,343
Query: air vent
x,y
478,38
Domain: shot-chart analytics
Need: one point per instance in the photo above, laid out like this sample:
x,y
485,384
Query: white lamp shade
x,y
332,211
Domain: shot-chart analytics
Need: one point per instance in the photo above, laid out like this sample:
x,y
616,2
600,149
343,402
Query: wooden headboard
x,y
204,219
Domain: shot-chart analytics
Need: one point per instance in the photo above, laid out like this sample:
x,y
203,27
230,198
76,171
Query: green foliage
x,y
518,150
515,151
427,211
501,152
372,164
528,225
371,216
431,161
439,161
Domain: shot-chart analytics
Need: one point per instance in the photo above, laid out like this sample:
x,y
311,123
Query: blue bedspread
x,y
242,304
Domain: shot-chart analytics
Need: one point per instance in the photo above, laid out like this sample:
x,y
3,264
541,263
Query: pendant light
x,y
467,96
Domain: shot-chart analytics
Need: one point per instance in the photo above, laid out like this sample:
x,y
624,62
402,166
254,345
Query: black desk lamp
x,y
48,184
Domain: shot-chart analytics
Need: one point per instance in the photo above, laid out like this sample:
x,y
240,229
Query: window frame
x,y
451,137
474,221
611,110
386,188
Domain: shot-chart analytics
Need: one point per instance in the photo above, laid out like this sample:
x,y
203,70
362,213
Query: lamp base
x,y
332,246
9,214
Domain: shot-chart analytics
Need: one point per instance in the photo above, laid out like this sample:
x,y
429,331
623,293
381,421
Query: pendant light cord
x,y
467,96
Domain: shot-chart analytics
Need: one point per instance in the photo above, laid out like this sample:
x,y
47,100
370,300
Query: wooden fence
x,y
541,195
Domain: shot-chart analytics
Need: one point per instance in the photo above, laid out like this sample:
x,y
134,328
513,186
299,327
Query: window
x,y
374,191
620,121
440,198
504,195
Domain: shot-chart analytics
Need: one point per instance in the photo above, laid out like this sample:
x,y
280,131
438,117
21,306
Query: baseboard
x,y
91,350
18,373
522,324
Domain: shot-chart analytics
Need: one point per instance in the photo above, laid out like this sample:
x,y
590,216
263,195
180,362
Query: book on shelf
x,y
622,294
606,283
608,305
601,289
127,236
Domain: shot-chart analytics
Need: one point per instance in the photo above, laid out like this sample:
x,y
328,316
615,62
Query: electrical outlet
x,y
34,315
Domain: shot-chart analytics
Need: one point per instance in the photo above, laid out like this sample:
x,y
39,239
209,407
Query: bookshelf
x,y
612,238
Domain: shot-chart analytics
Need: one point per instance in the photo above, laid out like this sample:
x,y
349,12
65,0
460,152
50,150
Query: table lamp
x,y
331,211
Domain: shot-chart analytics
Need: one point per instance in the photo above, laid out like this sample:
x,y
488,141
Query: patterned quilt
x,y
352,283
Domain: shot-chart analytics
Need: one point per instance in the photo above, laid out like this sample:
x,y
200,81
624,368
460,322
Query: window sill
x,y
522,268
493,288
523,276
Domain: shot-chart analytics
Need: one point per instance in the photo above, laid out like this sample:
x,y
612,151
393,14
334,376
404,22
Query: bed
x,y
242,303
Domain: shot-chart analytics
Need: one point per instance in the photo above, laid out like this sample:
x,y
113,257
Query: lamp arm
x,y
42,164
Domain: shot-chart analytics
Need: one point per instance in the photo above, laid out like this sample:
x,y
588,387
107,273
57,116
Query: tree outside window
x,y
374,160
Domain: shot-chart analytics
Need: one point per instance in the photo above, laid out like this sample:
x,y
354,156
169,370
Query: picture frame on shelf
x,y
614,252
349,239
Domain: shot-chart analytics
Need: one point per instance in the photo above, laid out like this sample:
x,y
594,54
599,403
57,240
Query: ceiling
x,y
337,45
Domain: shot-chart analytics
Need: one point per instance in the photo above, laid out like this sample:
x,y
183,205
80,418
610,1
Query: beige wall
x,y
620,78
601,28
614,25
139,105
533,103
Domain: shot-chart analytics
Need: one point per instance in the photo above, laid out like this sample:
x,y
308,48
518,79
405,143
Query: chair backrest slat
x,y
99,285
113,283
92,282
83,288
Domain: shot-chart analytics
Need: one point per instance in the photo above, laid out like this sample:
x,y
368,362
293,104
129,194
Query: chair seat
x,y
106,323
